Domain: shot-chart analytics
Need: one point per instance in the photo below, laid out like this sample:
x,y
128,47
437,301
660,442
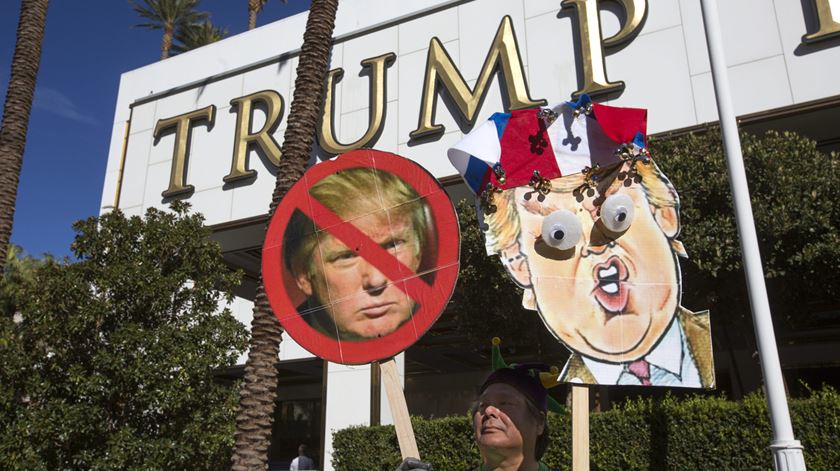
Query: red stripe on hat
x,y
526,147
621,124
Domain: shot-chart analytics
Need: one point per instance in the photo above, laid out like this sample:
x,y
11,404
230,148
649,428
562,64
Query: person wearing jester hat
x,y
587,224
509,417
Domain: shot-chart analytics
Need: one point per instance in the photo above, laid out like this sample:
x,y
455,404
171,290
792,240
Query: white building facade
x,y
412,77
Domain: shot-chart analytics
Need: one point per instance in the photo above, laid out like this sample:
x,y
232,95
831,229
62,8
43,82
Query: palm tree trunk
x,y
166,44
259,390
25,63
253,8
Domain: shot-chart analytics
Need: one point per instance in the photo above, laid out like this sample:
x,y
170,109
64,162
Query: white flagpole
x,y
787,451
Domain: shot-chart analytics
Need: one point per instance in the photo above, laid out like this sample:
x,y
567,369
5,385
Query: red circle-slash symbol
x,y
430,289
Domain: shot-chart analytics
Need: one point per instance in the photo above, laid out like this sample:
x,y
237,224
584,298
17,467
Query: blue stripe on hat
x,y
639,140
582,101
474,175
501,120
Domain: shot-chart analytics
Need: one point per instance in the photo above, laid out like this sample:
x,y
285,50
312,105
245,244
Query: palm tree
x,y
254,9
25,63
194,36
168,15
259,390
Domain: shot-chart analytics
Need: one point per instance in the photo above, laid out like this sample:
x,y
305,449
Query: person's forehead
x,y
501,390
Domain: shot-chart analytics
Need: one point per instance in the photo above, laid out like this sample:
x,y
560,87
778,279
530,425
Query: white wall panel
x,y
336,61
493,102
813,70
293,64
704,97
552,76
152,196
539,7
118,135
134,170
109,188
432,154
215,205
661,14
695,37
219,92
143,117
750,32
610,23
660,82
176,104
251,198
275,76
760,85
477,25
411,75
356,87
415,35
161,149
355,123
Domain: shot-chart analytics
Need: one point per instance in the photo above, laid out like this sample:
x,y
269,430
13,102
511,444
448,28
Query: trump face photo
x,y
346,296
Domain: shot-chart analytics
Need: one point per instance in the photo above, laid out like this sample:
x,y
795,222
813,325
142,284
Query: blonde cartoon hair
x,y
503,229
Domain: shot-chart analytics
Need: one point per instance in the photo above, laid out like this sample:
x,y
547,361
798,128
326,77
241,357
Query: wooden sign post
x,y
399,410
580,427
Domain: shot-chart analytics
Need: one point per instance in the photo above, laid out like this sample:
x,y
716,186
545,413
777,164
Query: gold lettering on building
x,y
183,130
504,53
262,140
635,11
594,69
326,136
829,20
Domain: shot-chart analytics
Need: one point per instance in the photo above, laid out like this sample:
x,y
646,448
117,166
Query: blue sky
x,y
87,45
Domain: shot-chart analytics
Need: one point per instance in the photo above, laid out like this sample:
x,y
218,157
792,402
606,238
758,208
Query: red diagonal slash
x,y
281,285
372,252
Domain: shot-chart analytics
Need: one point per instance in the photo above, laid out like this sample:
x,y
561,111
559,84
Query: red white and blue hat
x,y
572,137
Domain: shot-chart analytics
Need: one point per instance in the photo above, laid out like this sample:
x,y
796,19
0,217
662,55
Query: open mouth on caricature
x,y
611,288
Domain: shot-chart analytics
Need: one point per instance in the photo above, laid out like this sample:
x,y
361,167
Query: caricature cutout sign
x,y
587,224
361,256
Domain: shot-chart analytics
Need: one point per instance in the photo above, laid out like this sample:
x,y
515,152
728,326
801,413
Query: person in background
x,y
302,462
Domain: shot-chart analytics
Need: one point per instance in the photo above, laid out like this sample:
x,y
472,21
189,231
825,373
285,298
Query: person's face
x,y
364,303
503,424
612,296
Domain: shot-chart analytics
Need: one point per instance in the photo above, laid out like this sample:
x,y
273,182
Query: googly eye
x,y
617,212
561,229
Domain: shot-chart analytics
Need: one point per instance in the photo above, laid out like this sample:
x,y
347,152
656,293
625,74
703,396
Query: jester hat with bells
x,y
531,379
533,146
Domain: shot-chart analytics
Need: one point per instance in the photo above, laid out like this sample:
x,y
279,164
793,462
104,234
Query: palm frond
x,y
174,13
196,35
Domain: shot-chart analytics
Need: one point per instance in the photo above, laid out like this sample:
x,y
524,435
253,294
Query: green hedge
x,y
695,433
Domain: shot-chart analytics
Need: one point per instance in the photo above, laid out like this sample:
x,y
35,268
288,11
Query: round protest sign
x,y
361,256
